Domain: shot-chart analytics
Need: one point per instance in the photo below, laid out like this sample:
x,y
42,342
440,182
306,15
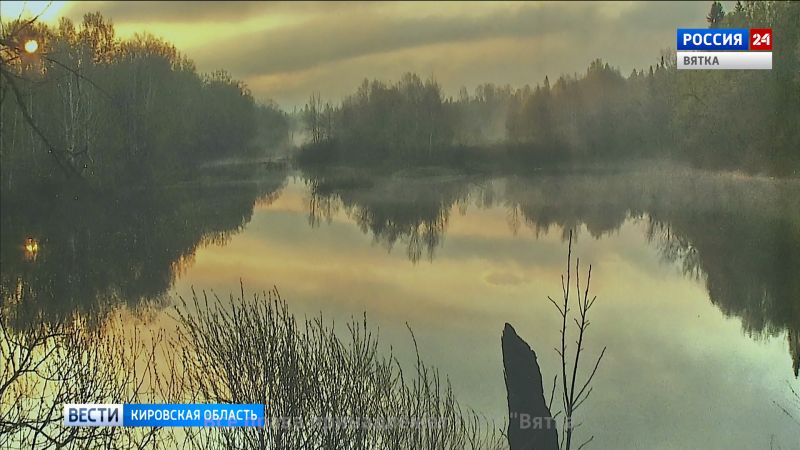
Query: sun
x,y
31,46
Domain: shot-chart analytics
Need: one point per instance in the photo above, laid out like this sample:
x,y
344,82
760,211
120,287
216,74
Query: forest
x,y
88,105
117,112
745,120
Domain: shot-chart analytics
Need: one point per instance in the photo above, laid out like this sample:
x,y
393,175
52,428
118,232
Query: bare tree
x,y
573,392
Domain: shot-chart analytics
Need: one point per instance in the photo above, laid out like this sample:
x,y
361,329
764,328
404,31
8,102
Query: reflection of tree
x,y
566,202
741,236
98,253
794,349
743,239
414,211
750,265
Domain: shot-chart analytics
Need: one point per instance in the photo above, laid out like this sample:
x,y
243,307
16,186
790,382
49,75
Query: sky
x,y
286,50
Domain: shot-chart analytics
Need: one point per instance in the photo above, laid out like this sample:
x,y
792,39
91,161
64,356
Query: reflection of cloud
x,y
505,278
287,50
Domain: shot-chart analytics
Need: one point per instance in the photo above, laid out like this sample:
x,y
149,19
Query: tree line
x,y
716,119
114,110
135,110
405,120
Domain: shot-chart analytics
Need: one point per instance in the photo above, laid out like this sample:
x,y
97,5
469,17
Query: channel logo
x,y
163,415
724,48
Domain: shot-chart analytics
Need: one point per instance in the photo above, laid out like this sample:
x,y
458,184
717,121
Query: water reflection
x,y
412,210
91,255
31,249
749,265
739,235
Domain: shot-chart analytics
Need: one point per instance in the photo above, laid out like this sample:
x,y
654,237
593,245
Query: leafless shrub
x,y
321,390
49,365
573,392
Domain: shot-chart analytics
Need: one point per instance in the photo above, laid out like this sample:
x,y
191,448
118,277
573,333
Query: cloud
x,y
333,38
286,50
514,45
171,12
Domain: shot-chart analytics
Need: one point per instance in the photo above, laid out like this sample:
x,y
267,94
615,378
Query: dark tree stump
x,y
530,424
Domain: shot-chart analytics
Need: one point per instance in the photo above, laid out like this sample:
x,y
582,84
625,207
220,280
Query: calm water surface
x,y
696,279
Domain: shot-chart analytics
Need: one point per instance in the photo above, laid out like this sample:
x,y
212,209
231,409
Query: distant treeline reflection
x,y
392,208
98,252
740,235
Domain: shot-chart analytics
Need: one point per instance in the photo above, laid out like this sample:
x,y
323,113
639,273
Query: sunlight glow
x,y
31,247
31,46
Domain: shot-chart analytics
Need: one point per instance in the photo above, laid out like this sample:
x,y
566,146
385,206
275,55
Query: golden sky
x,y
286,50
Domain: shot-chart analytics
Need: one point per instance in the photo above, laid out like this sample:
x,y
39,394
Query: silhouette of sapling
x,y
573,392
531,422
